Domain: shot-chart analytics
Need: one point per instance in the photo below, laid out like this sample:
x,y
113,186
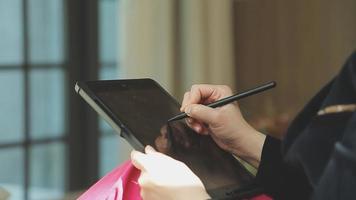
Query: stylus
x,y
232,98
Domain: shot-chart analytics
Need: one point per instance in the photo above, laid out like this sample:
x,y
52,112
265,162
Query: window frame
x,y
83,50
82,132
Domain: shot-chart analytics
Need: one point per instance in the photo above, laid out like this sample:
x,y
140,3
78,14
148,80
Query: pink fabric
x,y
121,184
261,197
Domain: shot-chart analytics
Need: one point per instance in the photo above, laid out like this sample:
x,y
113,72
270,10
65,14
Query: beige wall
x,y
299,43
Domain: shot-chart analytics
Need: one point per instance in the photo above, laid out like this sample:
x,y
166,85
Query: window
x,y
112,149
32,77
48,143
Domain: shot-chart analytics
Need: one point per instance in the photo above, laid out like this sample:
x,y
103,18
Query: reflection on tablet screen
x,y
214,166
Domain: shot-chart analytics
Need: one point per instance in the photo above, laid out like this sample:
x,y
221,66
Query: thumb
x,y
139,160
202,113
149,149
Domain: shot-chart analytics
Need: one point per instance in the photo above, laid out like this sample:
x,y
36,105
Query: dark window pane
x,y
47,102
113,151
12,172
106,73
47,171
11,32
46,31
11,106
108,32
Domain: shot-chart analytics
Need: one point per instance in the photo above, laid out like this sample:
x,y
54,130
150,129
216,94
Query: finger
x,y
205,131
185,101
196,126
202,113
205,93
143,180
149,149
190,121
139,160
199,127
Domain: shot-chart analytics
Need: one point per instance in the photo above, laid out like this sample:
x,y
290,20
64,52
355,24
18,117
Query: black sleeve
x,y
270,166
278,179
339,178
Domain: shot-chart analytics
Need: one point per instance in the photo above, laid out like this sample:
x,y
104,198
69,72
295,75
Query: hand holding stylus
x,y
225,124
231,99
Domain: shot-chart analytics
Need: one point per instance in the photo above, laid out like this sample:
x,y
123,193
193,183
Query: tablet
x,y
138,109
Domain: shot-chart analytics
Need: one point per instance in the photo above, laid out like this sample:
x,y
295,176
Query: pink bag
x,y
121,184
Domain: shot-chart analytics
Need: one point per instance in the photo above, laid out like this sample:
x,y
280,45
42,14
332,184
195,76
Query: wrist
x,y
250,147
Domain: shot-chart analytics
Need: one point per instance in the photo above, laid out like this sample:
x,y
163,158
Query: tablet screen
x,y
144,108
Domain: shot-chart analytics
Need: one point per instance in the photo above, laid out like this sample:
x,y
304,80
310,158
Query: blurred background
x,y
53,146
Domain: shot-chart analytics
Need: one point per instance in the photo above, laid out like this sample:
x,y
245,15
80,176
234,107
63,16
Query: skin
x,y
158,182
225,125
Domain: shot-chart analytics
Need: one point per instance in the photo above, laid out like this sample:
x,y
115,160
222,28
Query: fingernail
x,y
188,110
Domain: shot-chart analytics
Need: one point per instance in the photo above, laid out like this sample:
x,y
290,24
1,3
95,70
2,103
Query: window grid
x,y
33,66
27,142
26,98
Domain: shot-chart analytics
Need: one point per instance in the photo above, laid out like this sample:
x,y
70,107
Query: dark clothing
x,y
317,158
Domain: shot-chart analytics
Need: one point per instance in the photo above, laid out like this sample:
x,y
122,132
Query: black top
x,y
317,158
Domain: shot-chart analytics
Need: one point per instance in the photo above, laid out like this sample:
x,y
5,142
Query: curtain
x,y
177,42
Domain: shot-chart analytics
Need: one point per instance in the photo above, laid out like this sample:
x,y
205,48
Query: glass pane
x,y
113,151
47,171
108,33
107,73
47,102
46,31
12,172
11,106
11,31
104,127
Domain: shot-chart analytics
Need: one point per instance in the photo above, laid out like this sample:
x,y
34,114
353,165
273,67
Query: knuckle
x,y
192,110
194,87
186,94
226,89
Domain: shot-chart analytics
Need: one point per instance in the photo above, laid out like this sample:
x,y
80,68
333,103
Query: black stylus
x,y
232,98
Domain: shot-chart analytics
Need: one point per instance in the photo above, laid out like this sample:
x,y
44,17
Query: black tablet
x,y
138,109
